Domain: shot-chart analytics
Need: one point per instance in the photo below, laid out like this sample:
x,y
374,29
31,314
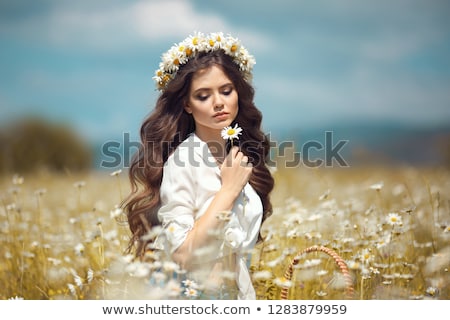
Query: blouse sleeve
x,y
177,202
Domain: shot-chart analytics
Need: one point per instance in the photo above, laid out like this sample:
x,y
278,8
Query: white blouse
x,y
191,178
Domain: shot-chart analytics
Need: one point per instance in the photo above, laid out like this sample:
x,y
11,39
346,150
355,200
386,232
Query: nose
x,y
218,102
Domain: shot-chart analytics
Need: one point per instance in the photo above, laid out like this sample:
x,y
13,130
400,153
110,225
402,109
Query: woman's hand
x,y
235,171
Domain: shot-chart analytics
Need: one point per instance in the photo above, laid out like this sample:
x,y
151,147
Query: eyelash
x,y
226,93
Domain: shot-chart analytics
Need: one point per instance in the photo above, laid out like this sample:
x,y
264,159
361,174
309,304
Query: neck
x,y
215,142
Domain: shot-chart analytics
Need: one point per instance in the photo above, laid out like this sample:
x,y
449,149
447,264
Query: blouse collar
x,y
201,148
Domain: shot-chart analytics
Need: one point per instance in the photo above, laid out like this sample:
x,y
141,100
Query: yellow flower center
x,y
176,61
231,131
192,292
195,41
211,42
181,48
233,48
394,219
188,51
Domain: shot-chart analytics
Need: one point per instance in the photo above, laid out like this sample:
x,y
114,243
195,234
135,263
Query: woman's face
x,y
212,101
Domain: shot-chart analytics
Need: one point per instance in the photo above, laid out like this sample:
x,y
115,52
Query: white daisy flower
x,y
195,41
262,275
377,186
366,256
116,212
72,289
322,272
116,173
170,266
79,184
282,282
172,59
190,283
431,291
78,280
90,275
231,133
159,276
79,249
11,207
232,47
191,292
245,60
55,262
394,219
216,40
16,180
138,269
173,288
354,265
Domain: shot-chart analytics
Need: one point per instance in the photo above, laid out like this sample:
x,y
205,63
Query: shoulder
x,y
190,153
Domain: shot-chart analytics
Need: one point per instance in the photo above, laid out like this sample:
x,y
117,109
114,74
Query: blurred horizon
x,y
375,73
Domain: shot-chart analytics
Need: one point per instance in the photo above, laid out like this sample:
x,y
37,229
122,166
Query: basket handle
x,y
349,290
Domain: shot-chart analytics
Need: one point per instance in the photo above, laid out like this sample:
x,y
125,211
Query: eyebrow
x,y
209,89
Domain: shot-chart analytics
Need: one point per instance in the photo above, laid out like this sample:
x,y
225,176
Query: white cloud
x,y
123,24
150,20
173,18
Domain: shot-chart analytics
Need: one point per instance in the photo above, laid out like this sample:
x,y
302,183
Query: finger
x,y
229,159
234,152
244,161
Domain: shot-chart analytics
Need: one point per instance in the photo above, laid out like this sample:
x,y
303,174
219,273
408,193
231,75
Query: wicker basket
x,y
349,290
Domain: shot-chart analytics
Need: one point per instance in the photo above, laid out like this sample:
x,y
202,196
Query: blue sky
x,y
318,63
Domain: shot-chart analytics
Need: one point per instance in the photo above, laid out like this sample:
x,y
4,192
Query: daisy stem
x,y
79,198
101,248
433,214
39,209
361,297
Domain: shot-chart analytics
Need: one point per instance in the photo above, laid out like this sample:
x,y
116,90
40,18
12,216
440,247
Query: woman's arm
x,y
235,173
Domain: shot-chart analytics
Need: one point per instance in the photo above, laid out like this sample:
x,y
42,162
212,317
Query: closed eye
x,y
202,97
227,90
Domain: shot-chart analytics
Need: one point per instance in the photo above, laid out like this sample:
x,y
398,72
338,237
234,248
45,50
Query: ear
x,y
187,108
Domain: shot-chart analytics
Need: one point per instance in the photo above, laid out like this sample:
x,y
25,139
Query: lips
x,y
220,114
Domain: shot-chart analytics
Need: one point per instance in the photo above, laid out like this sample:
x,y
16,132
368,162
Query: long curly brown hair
x,y
169,124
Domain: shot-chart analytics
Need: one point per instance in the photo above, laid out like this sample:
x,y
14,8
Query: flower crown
x,y
179,54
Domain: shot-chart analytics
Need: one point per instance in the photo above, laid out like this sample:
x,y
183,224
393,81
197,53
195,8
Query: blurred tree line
x,y
33,144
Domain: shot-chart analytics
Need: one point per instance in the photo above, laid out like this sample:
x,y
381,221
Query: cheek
x,y
235,103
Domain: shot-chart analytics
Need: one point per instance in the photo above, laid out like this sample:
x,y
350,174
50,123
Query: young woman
x,y
202,165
